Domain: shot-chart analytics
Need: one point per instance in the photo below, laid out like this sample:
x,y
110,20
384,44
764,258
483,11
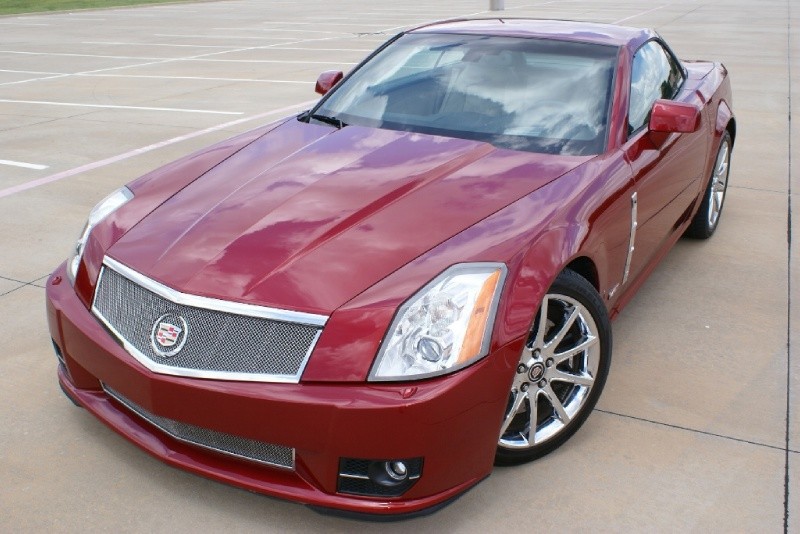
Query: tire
x,y
561,372
706,219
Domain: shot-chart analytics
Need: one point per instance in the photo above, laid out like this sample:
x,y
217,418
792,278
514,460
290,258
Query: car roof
x,y
563,30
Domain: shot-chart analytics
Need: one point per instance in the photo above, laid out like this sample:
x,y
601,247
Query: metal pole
x,y
497,5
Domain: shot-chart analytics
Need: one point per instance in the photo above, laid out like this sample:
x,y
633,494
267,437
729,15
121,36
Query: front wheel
x,y
561,371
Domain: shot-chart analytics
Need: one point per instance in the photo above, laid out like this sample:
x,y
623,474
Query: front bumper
x,y
450,422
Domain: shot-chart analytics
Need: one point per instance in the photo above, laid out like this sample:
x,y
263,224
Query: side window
x,y
654,75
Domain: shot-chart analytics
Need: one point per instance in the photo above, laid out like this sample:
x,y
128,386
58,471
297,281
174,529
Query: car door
x,y
665,167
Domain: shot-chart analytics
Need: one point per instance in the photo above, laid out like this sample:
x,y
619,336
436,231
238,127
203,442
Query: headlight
x,y
445,326
102,210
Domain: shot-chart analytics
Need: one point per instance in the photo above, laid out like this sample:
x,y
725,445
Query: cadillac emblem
x,y
169,334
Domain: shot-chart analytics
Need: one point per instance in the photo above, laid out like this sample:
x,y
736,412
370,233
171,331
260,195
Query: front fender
x,y
583,214
542,262
724,116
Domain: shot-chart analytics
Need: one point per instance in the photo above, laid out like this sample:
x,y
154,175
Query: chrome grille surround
x,y
248,449
227,340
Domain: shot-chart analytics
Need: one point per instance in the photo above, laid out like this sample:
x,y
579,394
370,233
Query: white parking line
x,y
279,47
395,28
639,14
120,157
190,78
286,61
234,37
327,23
22,164
157,44
110,106
399,11
34,72
395,16
66,54
280,30
198,57
539,4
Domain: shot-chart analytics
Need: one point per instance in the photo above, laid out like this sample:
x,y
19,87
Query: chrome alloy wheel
x,y
719,182
556,372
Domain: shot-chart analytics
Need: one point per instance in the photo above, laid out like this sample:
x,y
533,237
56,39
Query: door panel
x,y
667,171
666,181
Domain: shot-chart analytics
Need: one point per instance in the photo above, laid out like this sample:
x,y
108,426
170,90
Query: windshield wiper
x,y
333,121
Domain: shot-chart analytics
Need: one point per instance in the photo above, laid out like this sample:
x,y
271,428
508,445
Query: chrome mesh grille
x,y
218,344
248,449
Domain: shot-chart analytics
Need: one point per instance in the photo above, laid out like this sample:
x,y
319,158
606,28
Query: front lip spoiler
x,y
386,518
278,483
66,392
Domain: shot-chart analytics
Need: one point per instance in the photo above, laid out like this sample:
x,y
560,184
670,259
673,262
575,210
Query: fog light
x,y
396,470
378,478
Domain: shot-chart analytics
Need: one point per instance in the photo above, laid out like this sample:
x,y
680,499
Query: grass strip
x,y
11,7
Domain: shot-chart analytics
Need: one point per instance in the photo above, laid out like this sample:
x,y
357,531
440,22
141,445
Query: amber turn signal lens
x,y
479,320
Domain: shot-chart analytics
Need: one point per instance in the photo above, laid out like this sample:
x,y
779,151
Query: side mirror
x,y
674,117
327,80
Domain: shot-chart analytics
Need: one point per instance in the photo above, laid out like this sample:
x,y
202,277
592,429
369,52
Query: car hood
x,y
309,216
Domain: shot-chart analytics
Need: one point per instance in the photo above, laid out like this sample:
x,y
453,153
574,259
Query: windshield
x,y
519,93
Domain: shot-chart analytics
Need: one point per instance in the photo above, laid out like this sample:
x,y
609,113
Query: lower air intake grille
x,y
249,449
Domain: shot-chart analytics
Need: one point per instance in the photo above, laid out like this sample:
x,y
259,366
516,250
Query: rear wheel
x,y
706,219
561,371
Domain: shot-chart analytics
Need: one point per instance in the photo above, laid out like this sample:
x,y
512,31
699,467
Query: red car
x,y
366,306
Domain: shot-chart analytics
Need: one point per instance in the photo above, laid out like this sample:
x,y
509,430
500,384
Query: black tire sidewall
x,y
571,284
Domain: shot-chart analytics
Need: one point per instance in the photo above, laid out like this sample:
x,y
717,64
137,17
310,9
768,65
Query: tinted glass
x,y
654,75
524,94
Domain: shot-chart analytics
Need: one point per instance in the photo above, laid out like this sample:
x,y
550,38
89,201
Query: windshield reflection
x,y
520,93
